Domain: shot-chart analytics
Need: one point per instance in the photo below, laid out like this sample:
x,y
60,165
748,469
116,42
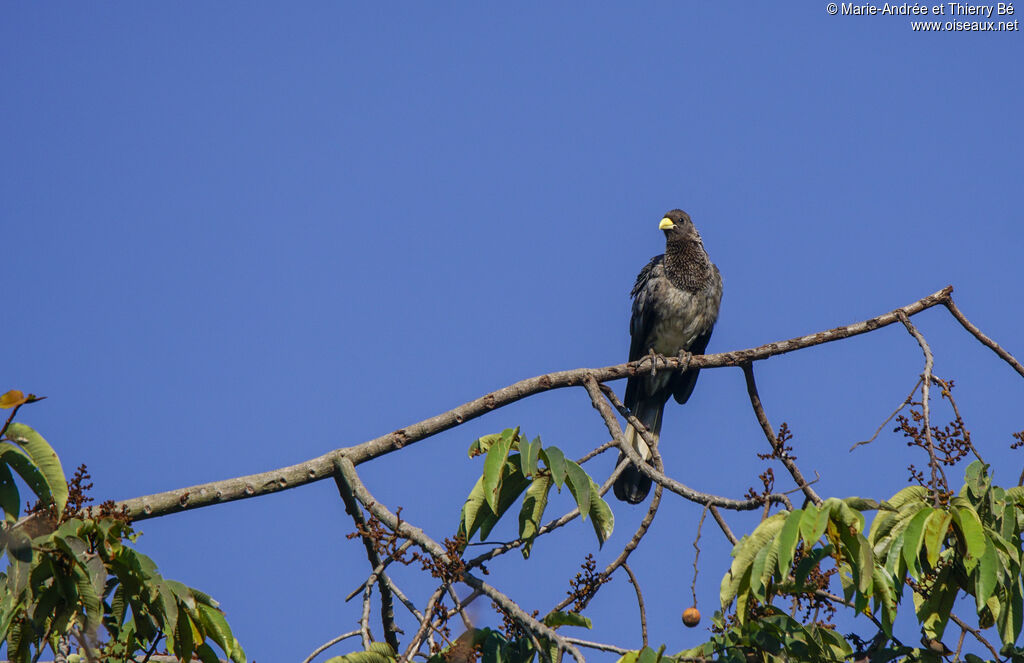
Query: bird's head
x,y
678,227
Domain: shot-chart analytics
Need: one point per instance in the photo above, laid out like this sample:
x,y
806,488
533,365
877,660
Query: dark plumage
x,y
675,305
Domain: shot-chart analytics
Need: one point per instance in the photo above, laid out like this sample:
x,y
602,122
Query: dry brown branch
x,y
640,602
723,525
977,635
330,643
777,448
347,471
926,381
424,627
696,555
387,610
985,340
659,477
906,401
322,467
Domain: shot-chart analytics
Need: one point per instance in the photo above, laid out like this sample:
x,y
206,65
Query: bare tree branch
x,y
330,643
660,478
780,453
322,467
906,401
387,610
926,381
985,340
347,471
640,602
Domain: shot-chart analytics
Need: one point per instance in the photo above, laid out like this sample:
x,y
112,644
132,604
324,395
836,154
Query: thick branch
x,y
322,467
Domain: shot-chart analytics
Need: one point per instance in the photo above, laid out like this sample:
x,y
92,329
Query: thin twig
x,y
696,555
777,448
640,602
379,569
947,393
723,525
985,340
387,609
977,635
322,467
597,645
600,450
668,482
404,529
364,619
926,380
458,606
906,401
421,632
330,643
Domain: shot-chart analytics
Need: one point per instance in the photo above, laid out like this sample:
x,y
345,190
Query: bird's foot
x,y
684,357
655,358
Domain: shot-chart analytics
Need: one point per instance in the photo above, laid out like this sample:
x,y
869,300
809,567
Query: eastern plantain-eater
x,y
675,305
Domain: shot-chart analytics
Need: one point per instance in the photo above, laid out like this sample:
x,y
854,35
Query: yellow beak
x,y
666,223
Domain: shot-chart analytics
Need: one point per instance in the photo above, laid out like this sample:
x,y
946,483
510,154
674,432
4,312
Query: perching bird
x,y
675,305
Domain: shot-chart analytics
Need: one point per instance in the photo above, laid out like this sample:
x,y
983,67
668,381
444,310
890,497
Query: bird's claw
x,y
685,356
654,362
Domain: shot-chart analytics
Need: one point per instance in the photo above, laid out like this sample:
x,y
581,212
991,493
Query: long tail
x,y
633,485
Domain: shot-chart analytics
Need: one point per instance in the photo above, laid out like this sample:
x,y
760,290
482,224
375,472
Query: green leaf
x,y
43,457
968,524
861,503
601,516
528,455
787,540
22,463
1010,618
530,514
494,467
744,554
935,530
361,657
933,612
206,654
579,485
218,630
10,501
555,461
472,517
976,478
809,525
759,569
647,655
557,618
912,539
987,575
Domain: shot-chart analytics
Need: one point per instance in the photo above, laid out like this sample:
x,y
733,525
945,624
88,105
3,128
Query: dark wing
x,y
640,324
683,383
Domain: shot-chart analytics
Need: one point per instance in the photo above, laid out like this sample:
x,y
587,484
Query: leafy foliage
x,y
971,543
71,574
512,466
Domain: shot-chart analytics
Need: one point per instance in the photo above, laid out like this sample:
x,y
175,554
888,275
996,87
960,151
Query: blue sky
x,y
239,235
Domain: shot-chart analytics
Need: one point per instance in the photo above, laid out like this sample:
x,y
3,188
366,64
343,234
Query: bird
x,y
676,299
